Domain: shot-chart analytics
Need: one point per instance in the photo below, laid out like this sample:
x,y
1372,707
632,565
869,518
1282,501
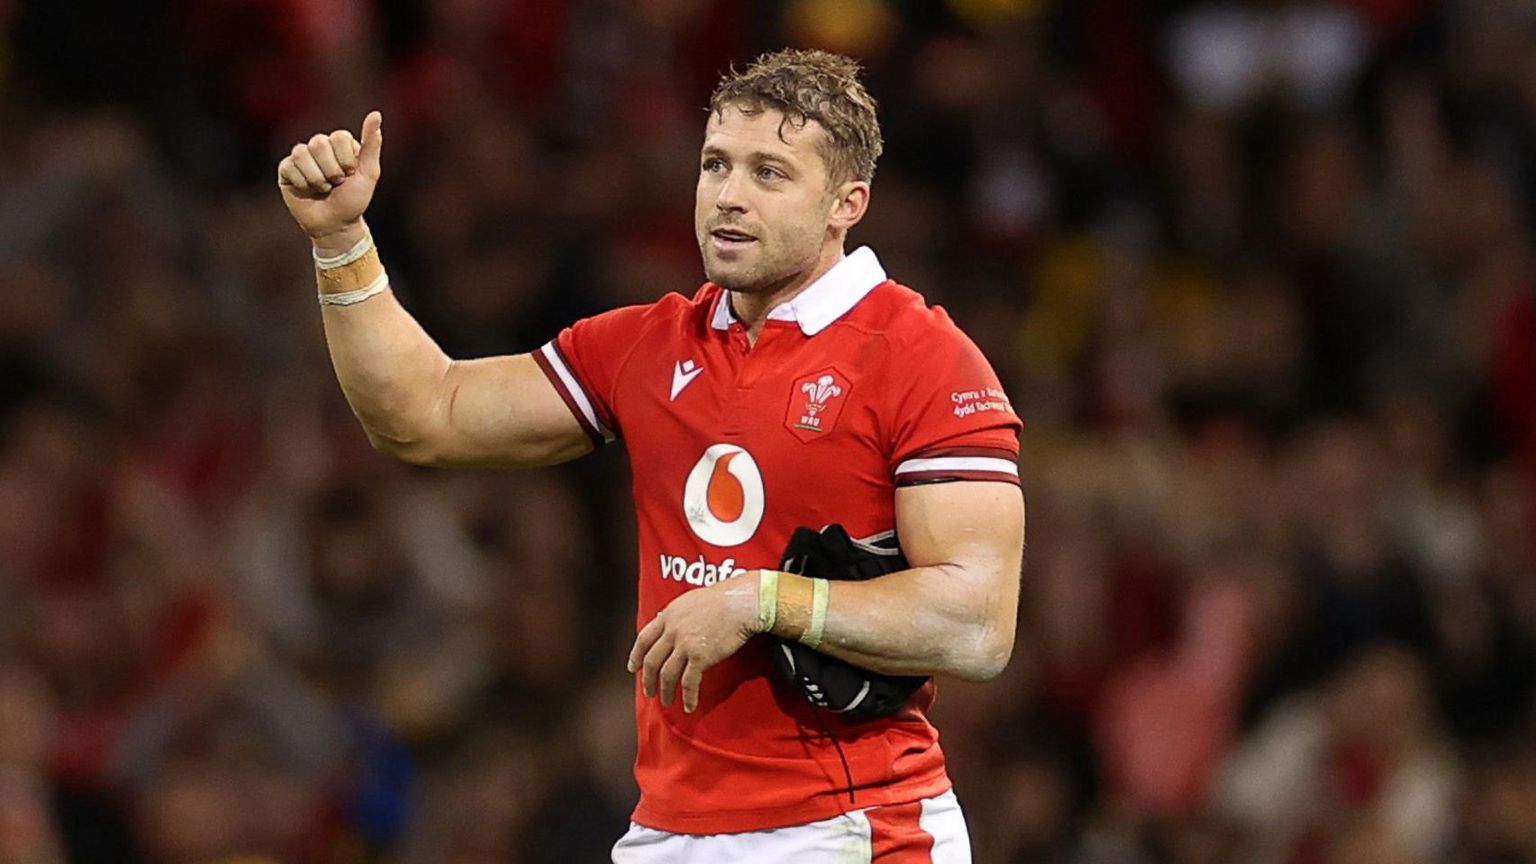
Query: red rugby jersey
x,y
854,387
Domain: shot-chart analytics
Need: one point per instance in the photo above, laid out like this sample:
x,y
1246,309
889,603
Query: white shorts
x,y
930,831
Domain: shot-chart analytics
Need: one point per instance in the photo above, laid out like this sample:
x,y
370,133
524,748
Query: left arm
x,y
953,612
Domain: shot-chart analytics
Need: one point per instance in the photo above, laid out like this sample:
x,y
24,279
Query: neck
x,y
752,309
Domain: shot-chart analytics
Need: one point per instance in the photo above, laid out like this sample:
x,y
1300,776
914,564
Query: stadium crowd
x,y
1257,274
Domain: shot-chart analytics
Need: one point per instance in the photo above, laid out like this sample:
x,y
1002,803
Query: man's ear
x,y
849,203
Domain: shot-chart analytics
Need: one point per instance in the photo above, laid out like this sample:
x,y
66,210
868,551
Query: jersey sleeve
x,y
952,420
583,364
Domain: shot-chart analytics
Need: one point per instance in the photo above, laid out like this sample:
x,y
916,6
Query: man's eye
x,y
713,165
766,173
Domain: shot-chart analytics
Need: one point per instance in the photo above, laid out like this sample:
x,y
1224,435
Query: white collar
x,y
823,301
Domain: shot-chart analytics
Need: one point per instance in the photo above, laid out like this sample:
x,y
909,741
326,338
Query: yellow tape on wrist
x,y
767,600
353,276
812,635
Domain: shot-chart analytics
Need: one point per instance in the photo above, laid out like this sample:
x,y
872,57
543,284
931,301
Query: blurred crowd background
x,y
1258,274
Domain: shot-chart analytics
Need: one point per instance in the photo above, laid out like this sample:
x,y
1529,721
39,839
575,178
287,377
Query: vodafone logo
x,y
723,498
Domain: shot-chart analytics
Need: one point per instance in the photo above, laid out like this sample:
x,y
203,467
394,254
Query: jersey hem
x,y
833,803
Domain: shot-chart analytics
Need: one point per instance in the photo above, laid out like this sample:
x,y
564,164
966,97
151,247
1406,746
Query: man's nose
x,y
729,196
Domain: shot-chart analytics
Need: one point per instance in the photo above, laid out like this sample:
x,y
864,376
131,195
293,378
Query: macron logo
x,y
682,375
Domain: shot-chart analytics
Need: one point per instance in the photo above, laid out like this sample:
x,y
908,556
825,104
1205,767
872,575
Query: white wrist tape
x,y
347,298
358,250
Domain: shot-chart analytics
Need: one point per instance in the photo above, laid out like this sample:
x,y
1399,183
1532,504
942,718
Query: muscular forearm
x,y
413,401
391,371
943,618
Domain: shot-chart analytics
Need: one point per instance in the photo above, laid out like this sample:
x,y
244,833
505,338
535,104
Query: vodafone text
x,y
698,571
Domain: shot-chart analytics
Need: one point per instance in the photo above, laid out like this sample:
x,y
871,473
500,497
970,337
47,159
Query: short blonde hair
x,y
806,85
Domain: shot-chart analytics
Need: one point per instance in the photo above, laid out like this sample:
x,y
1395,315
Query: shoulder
x,y
666,313
675,309
905,320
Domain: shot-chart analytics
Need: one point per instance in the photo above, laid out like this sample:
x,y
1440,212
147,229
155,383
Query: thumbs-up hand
x,y
328,180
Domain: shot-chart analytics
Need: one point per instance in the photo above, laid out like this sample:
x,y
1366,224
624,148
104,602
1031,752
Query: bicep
x,y
974,527
503,411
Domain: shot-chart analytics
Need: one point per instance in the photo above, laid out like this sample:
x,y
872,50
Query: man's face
x,y
762,206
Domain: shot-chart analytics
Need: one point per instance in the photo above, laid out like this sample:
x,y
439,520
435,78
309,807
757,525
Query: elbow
x,y
982,650
986,657
413,451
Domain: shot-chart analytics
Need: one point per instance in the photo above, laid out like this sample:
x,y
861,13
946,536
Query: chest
x,y
786,431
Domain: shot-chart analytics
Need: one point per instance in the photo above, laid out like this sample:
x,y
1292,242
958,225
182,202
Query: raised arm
x,y
413,400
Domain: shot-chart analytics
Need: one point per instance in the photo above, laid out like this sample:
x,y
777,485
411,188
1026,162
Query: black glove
x,y
827,682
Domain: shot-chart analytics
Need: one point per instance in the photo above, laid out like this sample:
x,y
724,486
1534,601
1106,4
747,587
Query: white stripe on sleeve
x,y
572,386
959,463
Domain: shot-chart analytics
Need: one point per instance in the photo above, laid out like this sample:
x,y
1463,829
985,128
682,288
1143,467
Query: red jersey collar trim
x,y
823,301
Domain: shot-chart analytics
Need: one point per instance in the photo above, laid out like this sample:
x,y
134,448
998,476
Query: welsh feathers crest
x,y
820,391
815,402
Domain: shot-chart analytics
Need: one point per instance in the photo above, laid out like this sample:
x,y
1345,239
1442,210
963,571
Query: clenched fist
x,y
328,180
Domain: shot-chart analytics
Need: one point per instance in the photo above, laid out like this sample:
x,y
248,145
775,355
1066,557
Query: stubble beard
x,y
744,277
748,280
720,273
764,273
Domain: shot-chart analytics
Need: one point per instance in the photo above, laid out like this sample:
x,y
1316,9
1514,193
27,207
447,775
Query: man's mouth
x,y
731,238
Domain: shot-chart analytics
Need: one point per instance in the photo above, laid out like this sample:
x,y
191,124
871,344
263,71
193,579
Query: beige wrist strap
x,y
360,277
812,635
348,298
791,606
767,600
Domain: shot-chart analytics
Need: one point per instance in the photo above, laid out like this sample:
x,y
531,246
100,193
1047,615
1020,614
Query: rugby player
x,y
799,386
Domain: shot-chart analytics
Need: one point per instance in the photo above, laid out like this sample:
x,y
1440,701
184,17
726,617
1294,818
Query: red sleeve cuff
x,y
958,463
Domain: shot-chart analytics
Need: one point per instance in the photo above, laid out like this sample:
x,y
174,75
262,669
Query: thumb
x,y
373,142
